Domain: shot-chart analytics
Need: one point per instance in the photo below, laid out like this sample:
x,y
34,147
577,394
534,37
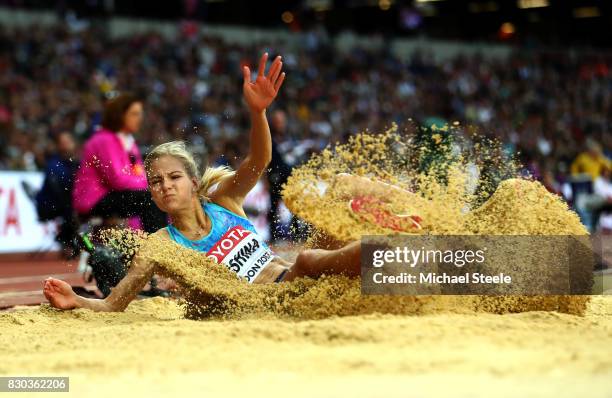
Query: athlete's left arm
x,y
258,96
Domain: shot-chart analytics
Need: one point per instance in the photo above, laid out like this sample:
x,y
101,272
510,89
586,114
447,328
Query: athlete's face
x,y
171,187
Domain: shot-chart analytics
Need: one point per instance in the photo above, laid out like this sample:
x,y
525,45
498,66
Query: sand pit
x,y
323,338
152,348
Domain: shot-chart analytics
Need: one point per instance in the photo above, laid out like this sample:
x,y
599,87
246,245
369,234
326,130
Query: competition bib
x,y
242,251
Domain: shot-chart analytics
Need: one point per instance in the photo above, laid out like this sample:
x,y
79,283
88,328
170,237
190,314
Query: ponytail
x,y
211,177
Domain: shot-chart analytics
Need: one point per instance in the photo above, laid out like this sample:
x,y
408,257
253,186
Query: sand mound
x,y
513,207
523,207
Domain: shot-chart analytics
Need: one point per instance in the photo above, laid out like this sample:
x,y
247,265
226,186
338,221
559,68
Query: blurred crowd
x,y
552,108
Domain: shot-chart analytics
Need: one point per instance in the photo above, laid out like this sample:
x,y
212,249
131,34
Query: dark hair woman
x,y
111,181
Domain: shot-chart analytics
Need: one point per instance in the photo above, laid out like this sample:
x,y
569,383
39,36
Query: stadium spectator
x,y
592,161
111,180
54,198
602,187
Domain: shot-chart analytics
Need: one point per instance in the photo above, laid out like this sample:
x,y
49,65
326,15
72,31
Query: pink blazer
x,y
105,167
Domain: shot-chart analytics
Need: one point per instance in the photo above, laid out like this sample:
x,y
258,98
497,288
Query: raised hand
x,y
260,93
59,294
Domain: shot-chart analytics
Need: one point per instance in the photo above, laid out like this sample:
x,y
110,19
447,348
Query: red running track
x,y
22,276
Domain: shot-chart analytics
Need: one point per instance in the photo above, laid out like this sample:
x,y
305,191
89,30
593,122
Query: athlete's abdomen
x,y
272,271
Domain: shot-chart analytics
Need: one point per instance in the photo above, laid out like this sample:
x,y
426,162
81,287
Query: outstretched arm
x,y
61,295
258,96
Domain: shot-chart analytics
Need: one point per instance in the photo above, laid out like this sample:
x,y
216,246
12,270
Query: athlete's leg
x,y
316,262
348,186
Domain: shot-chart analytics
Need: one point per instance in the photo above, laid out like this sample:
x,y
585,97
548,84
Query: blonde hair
x,y
178,150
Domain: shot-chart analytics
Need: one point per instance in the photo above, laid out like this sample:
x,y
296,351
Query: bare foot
x,y
59,294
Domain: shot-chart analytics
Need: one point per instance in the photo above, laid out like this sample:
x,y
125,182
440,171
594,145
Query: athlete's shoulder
x,y
228,204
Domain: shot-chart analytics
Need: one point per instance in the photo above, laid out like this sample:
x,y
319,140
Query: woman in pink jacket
x,y
111,181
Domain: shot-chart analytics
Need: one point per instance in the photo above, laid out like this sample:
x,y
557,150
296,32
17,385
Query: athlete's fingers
x,y
279,82
246,72
274,67
56,286
274,76
262,65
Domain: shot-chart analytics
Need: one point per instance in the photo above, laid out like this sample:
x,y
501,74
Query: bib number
x,y
243,252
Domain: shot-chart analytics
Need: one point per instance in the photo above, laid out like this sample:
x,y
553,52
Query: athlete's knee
x,y
304,259
352,250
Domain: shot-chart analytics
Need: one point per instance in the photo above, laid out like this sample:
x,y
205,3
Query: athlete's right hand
x,y
59,294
